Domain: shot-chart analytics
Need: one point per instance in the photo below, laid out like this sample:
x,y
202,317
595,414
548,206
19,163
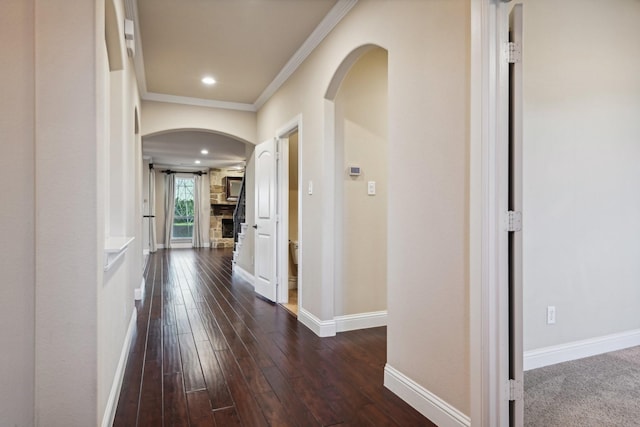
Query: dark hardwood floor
x,y
208,352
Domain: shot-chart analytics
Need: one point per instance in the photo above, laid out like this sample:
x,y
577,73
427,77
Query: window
x,y
183,213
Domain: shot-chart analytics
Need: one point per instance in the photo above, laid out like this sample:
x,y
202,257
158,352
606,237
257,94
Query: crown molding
x,y
335,15
199,102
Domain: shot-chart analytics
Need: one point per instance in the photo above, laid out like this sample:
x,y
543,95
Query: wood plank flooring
x,y
208,352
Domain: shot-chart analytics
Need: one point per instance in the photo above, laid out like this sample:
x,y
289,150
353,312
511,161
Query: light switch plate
x,y
371,188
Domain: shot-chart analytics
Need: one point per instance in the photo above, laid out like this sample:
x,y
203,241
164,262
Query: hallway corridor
x,y
208,352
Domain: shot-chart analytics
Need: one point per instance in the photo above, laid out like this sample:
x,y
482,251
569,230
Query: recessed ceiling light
x,y
208,80
197,162
204,151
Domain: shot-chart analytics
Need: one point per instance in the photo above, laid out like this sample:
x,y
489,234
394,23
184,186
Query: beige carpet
x,y
598,391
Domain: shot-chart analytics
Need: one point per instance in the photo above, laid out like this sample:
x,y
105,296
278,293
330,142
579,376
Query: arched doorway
x,y
357,101
199,158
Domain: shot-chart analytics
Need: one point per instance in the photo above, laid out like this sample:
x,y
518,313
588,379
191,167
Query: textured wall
x,y
581,213
17,224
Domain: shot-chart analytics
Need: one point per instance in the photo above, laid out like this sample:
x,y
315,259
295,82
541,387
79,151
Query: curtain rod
x,y
170,172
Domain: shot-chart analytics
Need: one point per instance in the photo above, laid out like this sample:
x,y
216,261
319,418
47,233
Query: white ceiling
x,y
243,44
249,46
182,148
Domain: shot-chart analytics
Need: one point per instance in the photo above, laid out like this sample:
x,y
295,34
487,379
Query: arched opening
x,y
358,99
218,159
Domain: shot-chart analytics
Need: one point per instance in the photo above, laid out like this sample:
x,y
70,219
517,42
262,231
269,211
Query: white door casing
x,y
283,134
265,220
516,373
489,301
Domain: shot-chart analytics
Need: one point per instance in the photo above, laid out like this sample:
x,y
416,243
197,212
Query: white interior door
x,y
265,220
516,371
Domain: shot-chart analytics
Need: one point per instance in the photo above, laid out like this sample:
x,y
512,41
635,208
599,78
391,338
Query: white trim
x,y
335,15
322,328
351,322
146,252
199,102
489,341
116,385
282,247
181,245
328,203
244,274
114,248
477,278
579,349
497,199
139,292
428,404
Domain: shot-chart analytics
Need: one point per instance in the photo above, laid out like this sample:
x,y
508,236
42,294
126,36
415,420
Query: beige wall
x,y
122,188
428,45
581,154
17,225
69,320
161,116
361,220
68,229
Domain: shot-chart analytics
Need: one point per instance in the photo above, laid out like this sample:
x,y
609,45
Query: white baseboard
x,y
145,252
137,293
578,349
322,328
116,385
428,404
176,245
244,274
352,322
182,245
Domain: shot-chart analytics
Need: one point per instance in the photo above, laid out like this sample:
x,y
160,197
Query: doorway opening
x,y
573,272
290,145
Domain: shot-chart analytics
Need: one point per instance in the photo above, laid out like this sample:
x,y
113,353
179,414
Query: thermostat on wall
x,y
354,170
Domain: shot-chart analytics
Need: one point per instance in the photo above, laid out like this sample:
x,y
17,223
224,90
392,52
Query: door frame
x,y
282,225
488,242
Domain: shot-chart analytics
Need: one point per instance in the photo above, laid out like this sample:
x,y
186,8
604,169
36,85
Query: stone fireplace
x,y
221,227
227,228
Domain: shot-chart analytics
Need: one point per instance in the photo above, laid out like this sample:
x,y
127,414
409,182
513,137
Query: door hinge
x,y
277,218
277,155
514,221
516,391
514,53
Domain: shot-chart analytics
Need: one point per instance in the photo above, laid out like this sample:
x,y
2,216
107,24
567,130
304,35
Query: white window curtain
x,y
153,244
169,207
201,203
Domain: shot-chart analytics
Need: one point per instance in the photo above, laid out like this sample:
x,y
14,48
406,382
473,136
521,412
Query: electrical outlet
x,y
551,315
